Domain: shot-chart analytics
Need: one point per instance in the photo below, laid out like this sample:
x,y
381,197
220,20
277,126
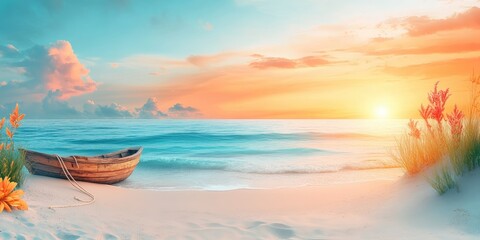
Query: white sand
x,y
404,209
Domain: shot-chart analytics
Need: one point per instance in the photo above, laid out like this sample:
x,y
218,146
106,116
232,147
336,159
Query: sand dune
x,y
403,209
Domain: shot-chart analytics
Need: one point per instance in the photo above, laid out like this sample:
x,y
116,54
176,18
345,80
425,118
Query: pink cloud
x,y
459,42
312,61
275,62
204,60
272,62
65,72
418,26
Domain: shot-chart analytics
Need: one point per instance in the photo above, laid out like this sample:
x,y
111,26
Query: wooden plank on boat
x,y
107,168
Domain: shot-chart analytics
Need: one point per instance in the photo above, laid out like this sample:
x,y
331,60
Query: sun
x,y
381,112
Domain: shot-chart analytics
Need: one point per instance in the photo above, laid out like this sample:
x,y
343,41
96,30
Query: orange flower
x,y
9,133
2,122
11,200
8,146
20,117
15,118
1,146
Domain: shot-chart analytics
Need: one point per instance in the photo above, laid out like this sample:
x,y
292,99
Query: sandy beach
x,y
240,119
403,209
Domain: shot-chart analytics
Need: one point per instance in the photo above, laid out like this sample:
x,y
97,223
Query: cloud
x,y
271,62
438,69
179,111
418,26
9,51
275,62
53,107
65,73
89,107
151,109
53,68
204,60
113,110
453,47
462,41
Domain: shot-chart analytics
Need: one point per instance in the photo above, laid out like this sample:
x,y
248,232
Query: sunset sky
x,y
234,58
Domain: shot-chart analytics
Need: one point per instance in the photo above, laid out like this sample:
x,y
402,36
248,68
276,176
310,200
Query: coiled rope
x,y
75,184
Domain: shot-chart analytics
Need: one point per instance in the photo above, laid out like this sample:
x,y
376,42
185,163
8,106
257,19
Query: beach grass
x,y
443,179
416,154
11,165
446,145
12,159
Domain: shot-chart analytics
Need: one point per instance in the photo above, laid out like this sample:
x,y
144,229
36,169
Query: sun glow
x,y
381,112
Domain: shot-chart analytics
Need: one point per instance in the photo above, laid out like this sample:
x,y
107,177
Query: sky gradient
x,y
234,59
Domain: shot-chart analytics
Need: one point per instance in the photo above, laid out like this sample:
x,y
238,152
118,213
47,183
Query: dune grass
x,y
443,179
446,145
416,154
11,165
464,155
11,159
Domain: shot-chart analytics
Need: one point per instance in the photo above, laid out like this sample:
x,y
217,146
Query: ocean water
x,y
229,154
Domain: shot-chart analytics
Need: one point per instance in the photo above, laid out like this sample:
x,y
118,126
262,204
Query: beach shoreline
x,y
405,208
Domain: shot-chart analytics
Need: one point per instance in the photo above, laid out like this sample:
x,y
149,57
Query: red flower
x,y
455,122
426,113
414,131
438,99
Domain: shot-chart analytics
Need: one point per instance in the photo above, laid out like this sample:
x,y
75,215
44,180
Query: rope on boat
x,y
75,184
76,162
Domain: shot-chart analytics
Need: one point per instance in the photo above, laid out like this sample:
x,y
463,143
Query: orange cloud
x,y
418,26
275,62
204,60
65,72
460,42
438,69
446,48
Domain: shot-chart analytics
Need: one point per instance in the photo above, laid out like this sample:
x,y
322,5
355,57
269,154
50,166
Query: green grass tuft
x,y
11,165
443,180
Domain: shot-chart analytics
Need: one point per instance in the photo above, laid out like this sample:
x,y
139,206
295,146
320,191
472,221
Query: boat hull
x,y
106,169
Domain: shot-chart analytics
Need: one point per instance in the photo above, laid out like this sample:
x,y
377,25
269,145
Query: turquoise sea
x,y
229,154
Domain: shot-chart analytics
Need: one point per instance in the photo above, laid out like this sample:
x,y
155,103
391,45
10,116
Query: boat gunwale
x,y
98,159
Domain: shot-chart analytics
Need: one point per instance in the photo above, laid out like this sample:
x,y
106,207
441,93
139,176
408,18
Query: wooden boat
x,y
107,168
